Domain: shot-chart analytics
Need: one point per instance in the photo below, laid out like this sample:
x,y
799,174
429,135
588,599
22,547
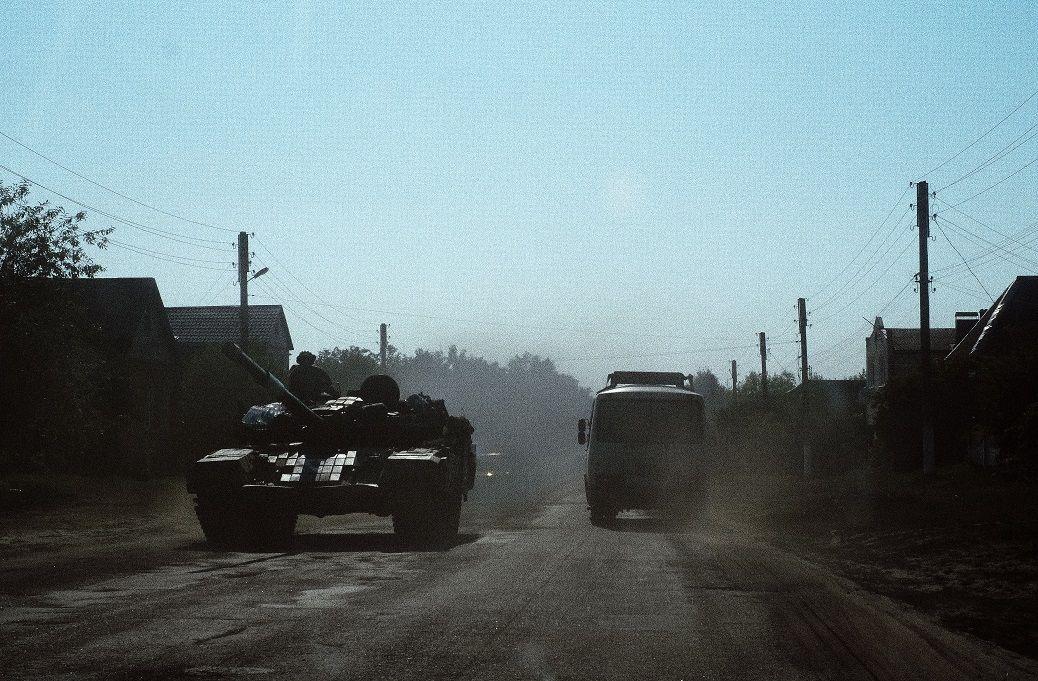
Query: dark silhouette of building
x,y
1011,320
111,358
208,325
894,352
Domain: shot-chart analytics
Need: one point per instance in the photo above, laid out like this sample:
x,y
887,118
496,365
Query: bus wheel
x,y
602,515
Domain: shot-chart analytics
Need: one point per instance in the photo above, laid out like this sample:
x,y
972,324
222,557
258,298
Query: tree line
x,y
524,408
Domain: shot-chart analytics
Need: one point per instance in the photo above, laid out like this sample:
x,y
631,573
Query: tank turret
x,y
269,380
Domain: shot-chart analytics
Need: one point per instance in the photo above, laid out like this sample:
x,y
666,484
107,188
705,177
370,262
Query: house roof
x,y
1014,312
836,391
908,340
119,307
221,323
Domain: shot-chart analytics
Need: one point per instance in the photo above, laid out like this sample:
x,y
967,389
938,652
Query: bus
x,y
645,445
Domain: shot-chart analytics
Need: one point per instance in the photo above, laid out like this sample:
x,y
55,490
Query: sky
x,y
621,185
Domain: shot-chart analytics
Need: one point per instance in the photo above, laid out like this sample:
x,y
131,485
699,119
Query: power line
x,y
861,271
469,320
990,187
984,257
289,271
1000,154
784,365
169,255
327,334
677,353
865,245
960,289
843,341
170,259
113,191
295,298
896,297
208,297
985,134
836,346
876,281
962,257
1006,237
962,230
155,231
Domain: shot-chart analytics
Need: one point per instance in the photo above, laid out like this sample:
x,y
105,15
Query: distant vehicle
x,y
369,452
645,445
493,465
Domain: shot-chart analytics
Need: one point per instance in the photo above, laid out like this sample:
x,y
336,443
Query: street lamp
x,y
259,274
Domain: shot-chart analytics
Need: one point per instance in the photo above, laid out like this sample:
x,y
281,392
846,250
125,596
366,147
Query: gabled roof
x,y
119,307
837,391
908,340
1015,311
221,323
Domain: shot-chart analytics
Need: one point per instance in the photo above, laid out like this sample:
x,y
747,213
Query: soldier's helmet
x,y
306,357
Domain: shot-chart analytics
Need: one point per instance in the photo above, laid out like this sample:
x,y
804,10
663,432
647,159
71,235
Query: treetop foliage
x,y
524,408
41,240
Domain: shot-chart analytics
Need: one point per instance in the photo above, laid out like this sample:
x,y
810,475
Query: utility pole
x,y
922,215
243,287
383,345
735,381
763,366
805,375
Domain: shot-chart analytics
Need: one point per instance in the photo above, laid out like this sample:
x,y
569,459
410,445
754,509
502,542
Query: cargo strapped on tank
x,y
647,378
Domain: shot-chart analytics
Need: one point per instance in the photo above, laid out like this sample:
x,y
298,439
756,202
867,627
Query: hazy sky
x,y
614,185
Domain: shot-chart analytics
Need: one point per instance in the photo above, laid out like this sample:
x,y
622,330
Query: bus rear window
x,y
633,420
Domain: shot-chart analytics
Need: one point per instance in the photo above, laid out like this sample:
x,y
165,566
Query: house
x,y
1011,321
835,421
201,326
894,352
97,360
838,395
998,356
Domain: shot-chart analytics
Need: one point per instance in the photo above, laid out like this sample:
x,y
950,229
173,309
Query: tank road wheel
x,y
430,524
232,524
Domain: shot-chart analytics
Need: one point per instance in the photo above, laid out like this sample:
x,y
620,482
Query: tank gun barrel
x,y
267,379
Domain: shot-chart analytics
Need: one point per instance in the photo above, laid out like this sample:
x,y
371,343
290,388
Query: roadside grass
x,y
44,512
961,546
22,492
44,491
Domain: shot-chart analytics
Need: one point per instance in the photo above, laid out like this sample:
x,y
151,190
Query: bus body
x,y
645,446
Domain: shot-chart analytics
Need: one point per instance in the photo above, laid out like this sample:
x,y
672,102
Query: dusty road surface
x,y
538,594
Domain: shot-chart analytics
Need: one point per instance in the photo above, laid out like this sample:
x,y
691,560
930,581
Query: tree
x,y
347,367
40,240
706,383
525,409
777,384
51,372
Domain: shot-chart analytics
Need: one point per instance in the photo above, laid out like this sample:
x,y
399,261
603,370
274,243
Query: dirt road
x,y
538,595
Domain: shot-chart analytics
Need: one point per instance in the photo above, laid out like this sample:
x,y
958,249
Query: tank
x,y
368,452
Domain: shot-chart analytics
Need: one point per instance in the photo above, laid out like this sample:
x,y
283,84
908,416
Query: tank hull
x,y
330,482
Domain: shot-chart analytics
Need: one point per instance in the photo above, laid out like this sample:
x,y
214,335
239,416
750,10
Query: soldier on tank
x,y
310,382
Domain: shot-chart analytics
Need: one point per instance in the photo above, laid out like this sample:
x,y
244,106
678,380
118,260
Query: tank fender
x,y
223,470
419,468
425,454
